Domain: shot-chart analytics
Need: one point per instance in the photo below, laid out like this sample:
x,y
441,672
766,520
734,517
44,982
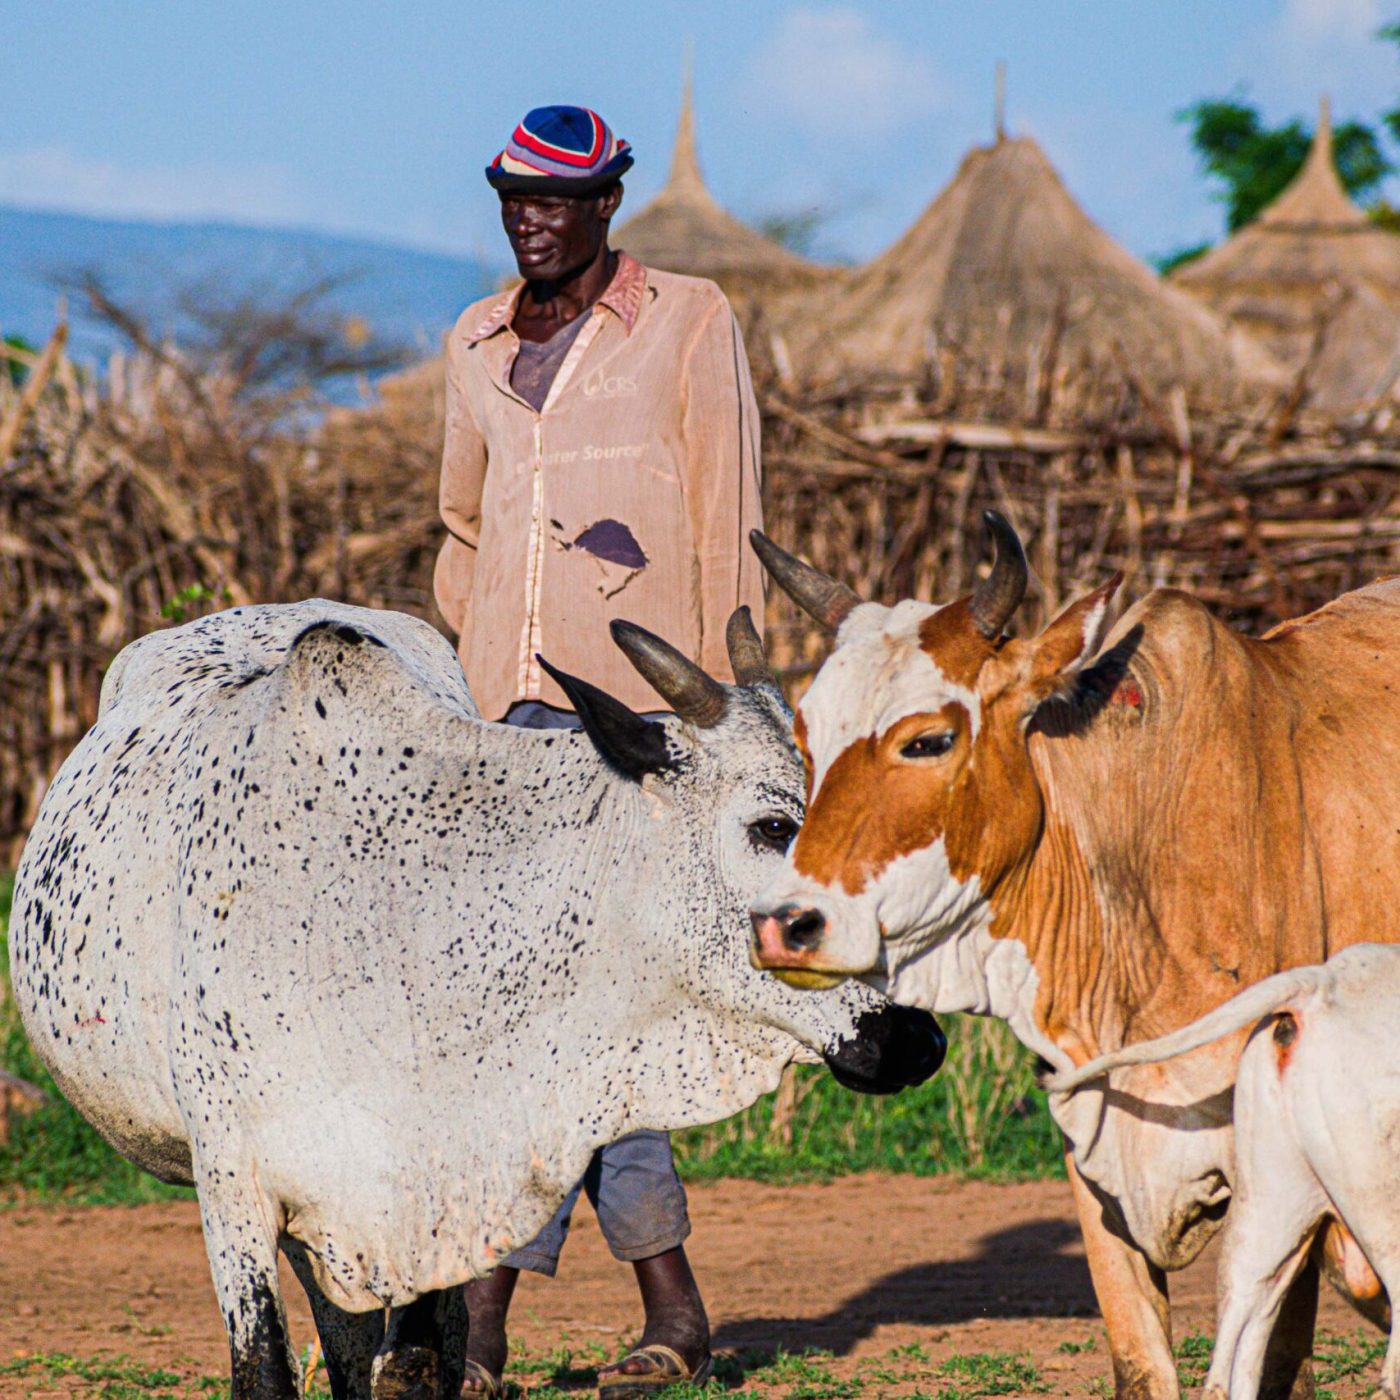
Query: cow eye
x,y
930,745
773,833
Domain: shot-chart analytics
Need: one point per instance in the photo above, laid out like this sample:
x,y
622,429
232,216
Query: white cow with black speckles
x,y
296,925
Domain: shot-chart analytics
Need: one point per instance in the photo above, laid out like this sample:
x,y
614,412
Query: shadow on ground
x,y
1025,1271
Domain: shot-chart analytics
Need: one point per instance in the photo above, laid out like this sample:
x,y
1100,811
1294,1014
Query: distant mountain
x,y
406,296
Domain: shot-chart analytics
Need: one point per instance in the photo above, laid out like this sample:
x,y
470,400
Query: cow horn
x,y
746,656
1000,593
820,597
696,697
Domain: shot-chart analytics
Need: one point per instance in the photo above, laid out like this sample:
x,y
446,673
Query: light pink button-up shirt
x,y
630,494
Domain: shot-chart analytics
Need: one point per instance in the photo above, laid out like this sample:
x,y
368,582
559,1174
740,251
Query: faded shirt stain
x,y
613,548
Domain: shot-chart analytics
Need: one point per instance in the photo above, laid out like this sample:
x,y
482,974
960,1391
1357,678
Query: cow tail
x,y
1250,1006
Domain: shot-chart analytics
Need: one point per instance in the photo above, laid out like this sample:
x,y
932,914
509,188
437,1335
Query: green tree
x,y
13,370
1391,34
793,229
1253,162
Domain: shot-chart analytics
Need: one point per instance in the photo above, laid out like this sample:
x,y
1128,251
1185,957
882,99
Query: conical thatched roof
x,y
1004,270
683,229
1312,277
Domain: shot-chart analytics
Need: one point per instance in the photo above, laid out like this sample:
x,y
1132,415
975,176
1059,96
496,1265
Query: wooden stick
x,y
33,387
990,437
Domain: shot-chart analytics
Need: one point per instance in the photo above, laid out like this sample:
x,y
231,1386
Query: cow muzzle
x,y
894,1048
787,942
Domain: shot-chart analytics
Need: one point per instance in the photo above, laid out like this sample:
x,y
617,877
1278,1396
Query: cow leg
x,y
1383,1250
1257,1282
1261,1273
1288,1371
1267,1282
1132,1294
349,1341
240,1236
452,1319
418,1355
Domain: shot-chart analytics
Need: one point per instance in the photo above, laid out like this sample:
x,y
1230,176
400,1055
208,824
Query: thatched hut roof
x,y
1004,271
1314,280
683,229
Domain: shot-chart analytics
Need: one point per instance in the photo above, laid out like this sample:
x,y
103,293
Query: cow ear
x,y
1069,643
634,746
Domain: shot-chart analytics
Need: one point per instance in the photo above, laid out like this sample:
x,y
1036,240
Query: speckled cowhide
x,y
296,925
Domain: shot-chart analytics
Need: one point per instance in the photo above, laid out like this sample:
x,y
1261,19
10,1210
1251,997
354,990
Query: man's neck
x,y
547,306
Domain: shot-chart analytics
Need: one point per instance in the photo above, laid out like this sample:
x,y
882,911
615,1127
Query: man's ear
x,y
610,200
1069,643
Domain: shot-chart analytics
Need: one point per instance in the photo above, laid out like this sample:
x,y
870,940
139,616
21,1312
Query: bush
x,y
981,1115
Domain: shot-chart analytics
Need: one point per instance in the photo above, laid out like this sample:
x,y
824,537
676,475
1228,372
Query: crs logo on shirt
x,y
599,385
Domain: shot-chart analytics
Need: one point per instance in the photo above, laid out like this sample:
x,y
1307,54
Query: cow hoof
x,y
409,1373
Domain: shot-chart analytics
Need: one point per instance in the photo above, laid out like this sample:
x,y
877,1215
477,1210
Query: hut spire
x,y
999,112
684,229
1316,196
685,177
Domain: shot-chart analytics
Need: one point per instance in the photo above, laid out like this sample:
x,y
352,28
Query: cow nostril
x,y
802,928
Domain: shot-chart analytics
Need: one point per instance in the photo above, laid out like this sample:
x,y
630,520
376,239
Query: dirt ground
x,y
865,1268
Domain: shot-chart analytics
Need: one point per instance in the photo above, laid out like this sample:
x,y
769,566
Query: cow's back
x,y
1341,665
96,919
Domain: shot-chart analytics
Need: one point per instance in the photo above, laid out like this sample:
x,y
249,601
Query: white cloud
x,y
52,177
1331,19
826,68
1317,46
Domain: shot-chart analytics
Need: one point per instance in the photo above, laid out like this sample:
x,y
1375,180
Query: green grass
x,y
1193,1355
113,1378
568,1371
989,1373
981,1116
1337,1358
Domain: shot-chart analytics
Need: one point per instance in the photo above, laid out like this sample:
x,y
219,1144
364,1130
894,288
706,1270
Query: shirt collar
x,y
623,298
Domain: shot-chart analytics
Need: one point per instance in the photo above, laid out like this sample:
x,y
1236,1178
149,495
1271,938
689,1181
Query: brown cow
x,y
1098,847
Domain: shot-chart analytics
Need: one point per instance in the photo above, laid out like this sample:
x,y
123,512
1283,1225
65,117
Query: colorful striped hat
x,y
560,150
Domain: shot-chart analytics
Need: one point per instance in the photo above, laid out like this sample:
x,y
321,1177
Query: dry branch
x,y
160,490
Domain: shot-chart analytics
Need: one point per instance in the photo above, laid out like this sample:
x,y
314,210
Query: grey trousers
x,y
631,1183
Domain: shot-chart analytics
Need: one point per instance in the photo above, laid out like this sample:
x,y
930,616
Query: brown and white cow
x,y
1097,846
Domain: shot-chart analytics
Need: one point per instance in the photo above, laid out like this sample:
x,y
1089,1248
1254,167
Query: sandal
x,y
668,1369
489,1387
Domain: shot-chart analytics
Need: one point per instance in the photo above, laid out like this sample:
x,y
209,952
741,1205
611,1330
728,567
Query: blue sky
x,y
372,118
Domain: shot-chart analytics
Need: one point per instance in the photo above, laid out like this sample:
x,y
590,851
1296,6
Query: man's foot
x,y
477,1380
648,1369
675,1323
488,1306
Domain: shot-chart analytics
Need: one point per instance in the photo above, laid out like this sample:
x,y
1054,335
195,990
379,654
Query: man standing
x,y
601,461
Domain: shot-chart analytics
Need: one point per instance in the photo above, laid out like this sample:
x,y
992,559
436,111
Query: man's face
x,y
554,235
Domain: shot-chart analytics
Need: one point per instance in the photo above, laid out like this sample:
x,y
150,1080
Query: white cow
x,y
1317,1129
295,925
